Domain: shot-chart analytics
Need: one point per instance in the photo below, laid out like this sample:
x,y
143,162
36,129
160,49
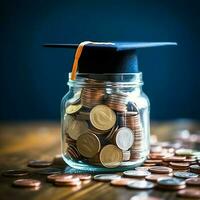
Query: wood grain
x,y
26,141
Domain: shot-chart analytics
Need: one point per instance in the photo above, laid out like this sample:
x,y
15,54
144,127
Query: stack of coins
x,y
91,96
132,121
117,101
98,128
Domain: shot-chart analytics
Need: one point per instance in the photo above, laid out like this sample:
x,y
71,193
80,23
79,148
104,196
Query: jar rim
x,y
107,80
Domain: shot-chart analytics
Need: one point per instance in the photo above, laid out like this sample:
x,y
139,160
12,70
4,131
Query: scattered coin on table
x,y
189,193
83,177
141,185
121,181
174,158
39,163
155,177
15,172
136,173
185,175
106,177
193,181
62,181
144,197
27,183
170,184
160,170
142,168
53,177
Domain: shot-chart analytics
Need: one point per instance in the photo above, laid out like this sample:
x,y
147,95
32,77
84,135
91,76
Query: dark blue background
x,y
33,79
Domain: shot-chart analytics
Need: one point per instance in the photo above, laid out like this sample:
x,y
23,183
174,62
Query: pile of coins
x,y
156,172
102,127
166,168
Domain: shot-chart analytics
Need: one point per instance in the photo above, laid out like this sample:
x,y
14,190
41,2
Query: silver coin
x,y
171,181
136,173
142,168
124,138
76,98
185,175
141,185
106,177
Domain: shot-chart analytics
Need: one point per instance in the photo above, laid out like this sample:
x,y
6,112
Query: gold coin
x,y
111,156
88,145
74,127
102,117
71,109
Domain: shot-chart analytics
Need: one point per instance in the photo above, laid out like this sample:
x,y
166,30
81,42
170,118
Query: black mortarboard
x,y
112,57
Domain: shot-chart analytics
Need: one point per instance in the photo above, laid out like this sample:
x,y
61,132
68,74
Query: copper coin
x,y
27,183
15,173
189,193
193,181
174,159
155,177
149,164
179,165
121,181
152,161
67,181
39,163
160,170
53,177
83,177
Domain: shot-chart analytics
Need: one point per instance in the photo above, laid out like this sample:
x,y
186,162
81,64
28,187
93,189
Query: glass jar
x,y
105,122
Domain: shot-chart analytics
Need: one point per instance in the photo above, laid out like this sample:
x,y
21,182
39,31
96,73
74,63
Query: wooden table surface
x,y
20,142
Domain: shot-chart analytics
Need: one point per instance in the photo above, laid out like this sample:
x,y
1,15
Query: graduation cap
x,y
106,57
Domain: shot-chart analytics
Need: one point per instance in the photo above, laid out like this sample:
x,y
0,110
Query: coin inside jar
x,y
88,145
102,117
111,156
124,138
76,98
75,127
71,109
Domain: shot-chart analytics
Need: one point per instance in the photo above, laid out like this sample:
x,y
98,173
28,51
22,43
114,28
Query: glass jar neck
x,y
114,80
